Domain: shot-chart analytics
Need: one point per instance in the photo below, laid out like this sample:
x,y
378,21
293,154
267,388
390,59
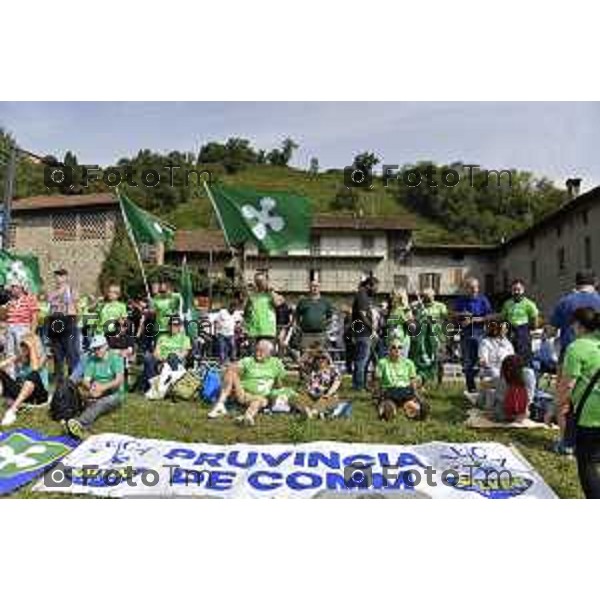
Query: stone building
x,y
74,232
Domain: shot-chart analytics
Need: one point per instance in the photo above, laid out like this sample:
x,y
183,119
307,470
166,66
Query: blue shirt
x,y
478,306
563,312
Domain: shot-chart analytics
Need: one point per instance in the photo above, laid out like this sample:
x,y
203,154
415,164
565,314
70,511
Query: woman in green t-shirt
x,y
581,363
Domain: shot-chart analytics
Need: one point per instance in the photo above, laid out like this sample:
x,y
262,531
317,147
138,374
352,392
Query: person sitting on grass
x,y
30,383
396,383
251,382
103,383
172,348
320,394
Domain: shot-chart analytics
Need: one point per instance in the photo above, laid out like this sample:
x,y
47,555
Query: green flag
x,y
185,287
145,227
22,268
274,221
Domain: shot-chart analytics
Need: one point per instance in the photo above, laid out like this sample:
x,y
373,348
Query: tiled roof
x,y
61,202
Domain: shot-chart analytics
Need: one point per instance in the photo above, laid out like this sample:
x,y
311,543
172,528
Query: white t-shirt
x,y
225,323
492,351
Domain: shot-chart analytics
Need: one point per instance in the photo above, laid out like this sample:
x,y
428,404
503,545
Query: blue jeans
x,y
469,346
362,354
150,370
225,348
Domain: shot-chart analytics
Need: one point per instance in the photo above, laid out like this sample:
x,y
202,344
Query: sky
x,y
553,139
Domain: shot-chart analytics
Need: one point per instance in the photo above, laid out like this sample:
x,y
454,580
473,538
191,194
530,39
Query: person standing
x,y
313,316
21,315
225,331
472,311
579,387
284,316
166,304
522,315
583,296
259,311
62,329
362,327
113,311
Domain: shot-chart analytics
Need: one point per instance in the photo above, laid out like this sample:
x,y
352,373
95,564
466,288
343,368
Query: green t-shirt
x,y
172,344
166,306
395,324
395,374
313,314
258,377
582,360
520,313
260,316
436,310
105,369
111,311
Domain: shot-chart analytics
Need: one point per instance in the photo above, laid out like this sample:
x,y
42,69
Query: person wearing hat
x,y
62,326
396,382
173,347
104,380
30,383
21,315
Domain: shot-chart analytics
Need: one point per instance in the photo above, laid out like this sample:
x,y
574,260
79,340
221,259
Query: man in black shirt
x,y
362,328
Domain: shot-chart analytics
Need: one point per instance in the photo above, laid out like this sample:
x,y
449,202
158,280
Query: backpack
x,y
211,385
66,402
186,387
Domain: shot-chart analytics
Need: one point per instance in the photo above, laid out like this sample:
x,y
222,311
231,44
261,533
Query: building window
x,y
584,217
532,242
367,243
11,241
533,272
93,226
457,278
490,284
315,245
64,228
430,280
561,259
587,252
400,282
558,230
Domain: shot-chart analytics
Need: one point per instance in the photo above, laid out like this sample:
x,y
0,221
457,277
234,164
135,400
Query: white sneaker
x,y
245,420
219,410
10,416
472,397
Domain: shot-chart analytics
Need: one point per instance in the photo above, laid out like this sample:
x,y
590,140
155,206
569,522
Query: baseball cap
x,y
98,341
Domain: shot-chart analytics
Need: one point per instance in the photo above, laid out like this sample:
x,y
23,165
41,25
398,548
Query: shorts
x,y
12,387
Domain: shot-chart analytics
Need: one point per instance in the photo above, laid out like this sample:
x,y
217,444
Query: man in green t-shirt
x,y
313,316
522,315
104,379
112,312
172,347
167,304
395,385
252,382
259,313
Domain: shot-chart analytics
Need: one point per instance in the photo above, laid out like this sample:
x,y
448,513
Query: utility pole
x,y
9,191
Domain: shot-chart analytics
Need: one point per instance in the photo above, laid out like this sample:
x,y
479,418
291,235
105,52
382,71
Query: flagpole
x,y
135,247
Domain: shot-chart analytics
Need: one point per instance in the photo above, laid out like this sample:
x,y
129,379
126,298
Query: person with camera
x,y
173,348
259,311
364,330
102,387
62,326
30,382
251,382
396,385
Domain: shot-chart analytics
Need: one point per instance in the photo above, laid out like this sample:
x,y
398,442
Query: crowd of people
x,y
394,350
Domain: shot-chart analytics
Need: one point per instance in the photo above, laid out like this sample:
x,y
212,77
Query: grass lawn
x,y
187,422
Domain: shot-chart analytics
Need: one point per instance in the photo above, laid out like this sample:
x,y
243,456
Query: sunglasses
x,y
395,347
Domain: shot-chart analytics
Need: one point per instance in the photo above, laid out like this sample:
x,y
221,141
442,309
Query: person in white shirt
x,y
493,349
225,323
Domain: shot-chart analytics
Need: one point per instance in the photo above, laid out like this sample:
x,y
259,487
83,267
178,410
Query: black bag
x,y
66,402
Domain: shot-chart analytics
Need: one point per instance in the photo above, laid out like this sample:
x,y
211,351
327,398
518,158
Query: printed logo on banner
x,y
25,453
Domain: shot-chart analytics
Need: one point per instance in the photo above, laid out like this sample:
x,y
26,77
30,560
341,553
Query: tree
x,y
281,157
366,159
345,199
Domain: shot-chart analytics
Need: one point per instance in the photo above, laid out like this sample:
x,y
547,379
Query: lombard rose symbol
x,y
264,218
